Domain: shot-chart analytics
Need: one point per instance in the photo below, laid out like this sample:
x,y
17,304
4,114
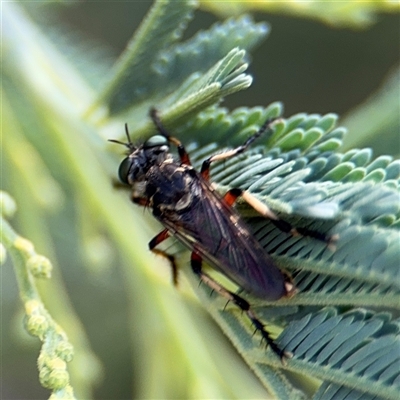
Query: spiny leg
x,y
196,264
205,168
163,235
184,156
159,238
231,196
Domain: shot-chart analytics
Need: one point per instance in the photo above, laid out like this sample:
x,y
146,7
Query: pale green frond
x,y
331,391
201,52
333,193
339,345
151,68
197,93
357,349
162,27
56,350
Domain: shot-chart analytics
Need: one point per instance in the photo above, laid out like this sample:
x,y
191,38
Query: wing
x,y
216,232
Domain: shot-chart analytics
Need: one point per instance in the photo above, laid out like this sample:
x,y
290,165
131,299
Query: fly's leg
x,y
205,168
163,235
196,264
229,199
183,155
231,196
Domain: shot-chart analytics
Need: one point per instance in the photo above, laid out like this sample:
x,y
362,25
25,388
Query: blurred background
x,y
301,61
306,64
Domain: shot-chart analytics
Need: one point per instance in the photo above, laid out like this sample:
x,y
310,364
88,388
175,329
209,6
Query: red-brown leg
x,y
231,196
163,235
183,155
196,264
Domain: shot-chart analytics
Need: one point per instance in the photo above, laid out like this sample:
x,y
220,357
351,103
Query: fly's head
x,y
154,151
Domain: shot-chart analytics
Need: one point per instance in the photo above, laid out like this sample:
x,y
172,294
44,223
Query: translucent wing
x,y
216,232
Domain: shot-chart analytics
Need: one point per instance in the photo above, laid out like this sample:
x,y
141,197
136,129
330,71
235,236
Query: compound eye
x,y
155,141
123,170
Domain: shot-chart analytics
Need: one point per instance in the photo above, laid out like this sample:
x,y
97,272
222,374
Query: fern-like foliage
x,y
299,173
341,326
149,64
56,350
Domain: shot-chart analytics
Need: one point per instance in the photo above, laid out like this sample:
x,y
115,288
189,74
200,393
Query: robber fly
x,y
187,205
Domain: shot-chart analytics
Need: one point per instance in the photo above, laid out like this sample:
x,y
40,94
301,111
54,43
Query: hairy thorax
x,y
170,187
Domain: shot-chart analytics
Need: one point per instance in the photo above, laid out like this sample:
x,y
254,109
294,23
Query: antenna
x,y
129,144
127,134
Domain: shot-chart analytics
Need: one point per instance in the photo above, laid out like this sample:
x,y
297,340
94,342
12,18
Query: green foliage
x,y
358,14
378,114
56,350
138,76
158,30
302,178
338,326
